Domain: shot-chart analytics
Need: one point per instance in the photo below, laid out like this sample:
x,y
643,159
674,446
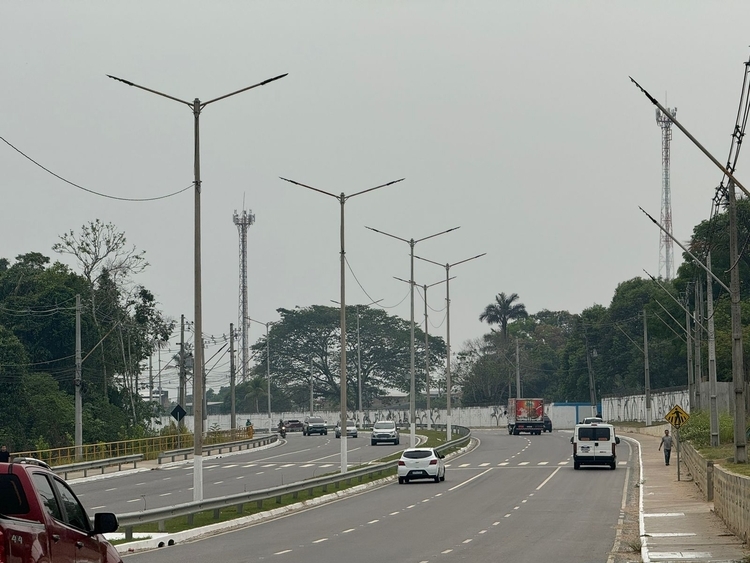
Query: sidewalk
x,y
676,524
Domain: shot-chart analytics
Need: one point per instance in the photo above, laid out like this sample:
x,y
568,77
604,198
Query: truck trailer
x,y
525,415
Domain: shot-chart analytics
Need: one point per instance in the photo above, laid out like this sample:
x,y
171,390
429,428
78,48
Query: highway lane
x,y
295,459
514,498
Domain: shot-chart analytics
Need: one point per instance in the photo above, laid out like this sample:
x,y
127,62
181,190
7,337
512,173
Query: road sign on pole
x,y
677,416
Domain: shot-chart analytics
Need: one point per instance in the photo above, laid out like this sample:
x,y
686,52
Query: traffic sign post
x,y
677,417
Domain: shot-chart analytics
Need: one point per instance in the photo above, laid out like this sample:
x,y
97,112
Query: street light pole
x,y
268,371
449,429
342,200
412,405
197,106
426,351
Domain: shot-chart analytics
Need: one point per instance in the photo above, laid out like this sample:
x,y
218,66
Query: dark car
x,y
293,425
547,424
314,425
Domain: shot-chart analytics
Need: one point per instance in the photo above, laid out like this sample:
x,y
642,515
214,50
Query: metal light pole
x,y
448,267
197,106
342,200
359,356
426,351
268,371
412,405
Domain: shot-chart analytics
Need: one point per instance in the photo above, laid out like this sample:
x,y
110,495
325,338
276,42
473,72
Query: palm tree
x,y
502,311
256,390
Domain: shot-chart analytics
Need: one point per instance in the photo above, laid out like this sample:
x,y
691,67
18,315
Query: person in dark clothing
x,y
666,441
4,455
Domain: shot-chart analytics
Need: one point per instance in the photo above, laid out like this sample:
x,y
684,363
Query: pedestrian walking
x,y
666,441
4,455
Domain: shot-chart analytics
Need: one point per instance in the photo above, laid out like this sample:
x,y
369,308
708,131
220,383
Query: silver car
x,y
421,463
351,429
384,431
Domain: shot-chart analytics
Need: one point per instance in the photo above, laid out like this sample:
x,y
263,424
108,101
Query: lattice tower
x,y
243,221
666,246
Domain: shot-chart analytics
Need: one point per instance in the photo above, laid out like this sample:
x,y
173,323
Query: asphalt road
x,y
514,498
295,459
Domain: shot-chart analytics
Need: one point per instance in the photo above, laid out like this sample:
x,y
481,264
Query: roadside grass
x,y
697,431
435,438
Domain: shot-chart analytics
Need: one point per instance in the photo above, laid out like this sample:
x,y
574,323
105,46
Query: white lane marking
x,y
506,516
165,494
166,479
328,465
524,500
503,463
249,465
523,463
321,540
269,465
411,506
470,480
496,523
446,551
563,462
210,466
439,495
663,514
394,513
134,500
373,521
240,477
467,541
347,531
483,464
139,484
282,552
108,490
288,465
543,463
218,482
482,531
260,472
516,507
548,478
97,507
307,465
231,465
464,465
666,534
426,500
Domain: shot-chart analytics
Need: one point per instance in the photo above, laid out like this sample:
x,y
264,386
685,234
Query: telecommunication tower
x,y
243,221
666,246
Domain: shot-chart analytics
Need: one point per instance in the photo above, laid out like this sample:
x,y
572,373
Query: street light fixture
x,y
447,267
342,200
411,243
268,371
197,106
426,350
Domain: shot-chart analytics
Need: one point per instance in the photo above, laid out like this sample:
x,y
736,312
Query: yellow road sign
x,y
677,417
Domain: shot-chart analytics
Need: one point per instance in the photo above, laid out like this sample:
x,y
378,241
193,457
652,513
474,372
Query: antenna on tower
x,y
243,221
666,246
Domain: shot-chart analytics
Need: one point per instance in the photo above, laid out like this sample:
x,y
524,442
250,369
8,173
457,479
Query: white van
x,y
594,444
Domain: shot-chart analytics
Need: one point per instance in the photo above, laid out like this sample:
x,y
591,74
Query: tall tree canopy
x,y
503,311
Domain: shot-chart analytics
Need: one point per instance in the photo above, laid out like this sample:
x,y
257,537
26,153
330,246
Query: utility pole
x,y
183,383
592,386
714,414
312,408
78,398
698,337
233,423
518,372
645,368
689,349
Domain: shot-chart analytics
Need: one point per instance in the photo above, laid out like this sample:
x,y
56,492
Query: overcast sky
x,y
514,120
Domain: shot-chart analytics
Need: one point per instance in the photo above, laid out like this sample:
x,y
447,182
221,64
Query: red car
x,y
293,425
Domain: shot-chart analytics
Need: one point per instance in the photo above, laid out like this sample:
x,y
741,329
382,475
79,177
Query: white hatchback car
x,y
421,463
351,429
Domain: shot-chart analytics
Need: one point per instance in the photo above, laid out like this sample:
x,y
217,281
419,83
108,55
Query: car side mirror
x,y
105,523
617,439
571,439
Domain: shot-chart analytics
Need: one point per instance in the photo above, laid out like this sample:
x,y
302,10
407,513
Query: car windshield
x,y
384,425
350,423
593,434
314,420
417,454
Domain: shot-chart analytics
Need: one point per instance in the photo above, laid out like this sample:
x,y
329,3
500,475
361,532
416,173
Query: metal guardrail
x,y
161,515
102,464
219,448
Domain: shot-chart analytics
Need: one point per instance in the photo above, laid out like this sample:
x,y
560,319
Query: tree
x,y
503,311
312,335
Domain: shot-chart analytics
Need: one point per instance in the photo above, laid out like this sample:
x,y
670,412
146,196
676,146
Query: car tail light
x,y
575,449
433,462
3,557
401,462
613,448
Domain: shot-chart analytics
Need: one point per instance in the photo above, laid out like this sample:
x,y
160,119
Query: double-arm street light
x,y
448,267
342,200
197,106
426,349
412,407
268,370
